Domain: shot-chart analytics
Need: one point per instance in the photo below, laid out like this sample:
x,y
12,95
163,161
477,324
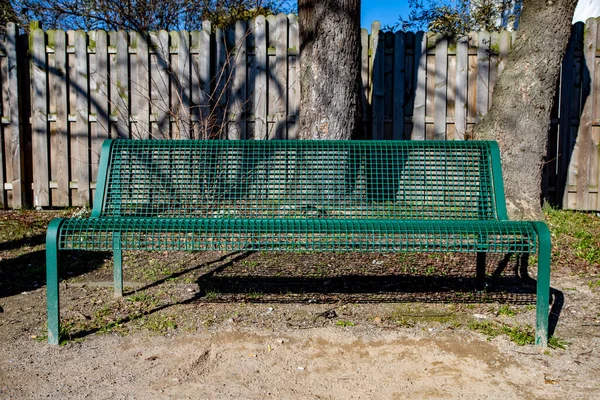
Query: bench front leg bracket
x,y
543,284
118,265
52,296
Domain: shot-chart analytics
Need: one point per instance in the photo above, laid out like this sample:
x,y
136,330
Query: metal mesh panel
x,y
298,235
300,179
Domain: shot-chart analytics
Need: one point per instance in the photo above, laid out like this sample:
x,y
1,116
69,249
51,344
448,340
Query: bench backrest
x,y
300,179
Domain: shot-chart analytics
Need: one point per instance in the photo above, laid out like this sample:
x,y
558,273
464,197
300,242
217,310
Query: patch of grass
x,y
344,324
557,343
139,297
578,230
249,264
506,310
254,295
594,284
65,333
159,323
520,335
155,270
143,300
112,326
102,313
430,270
211,294
485,327
23,224
405,322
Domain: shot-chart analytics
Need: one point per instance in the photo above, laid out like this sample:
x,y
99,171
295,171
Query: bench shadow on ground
x,y
219,282
27,272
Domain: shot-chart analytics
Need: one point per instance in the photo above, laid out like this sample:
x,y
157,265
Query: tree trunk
x,y
329,69
519,117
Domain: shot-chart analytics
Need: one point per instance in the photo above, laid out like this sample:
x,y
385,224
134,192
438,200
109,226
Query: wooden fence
x,y
77,88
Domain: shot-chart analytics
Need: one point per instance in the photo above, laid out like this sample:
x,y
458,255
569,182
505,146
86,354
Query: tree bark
x,y
519,117
329,69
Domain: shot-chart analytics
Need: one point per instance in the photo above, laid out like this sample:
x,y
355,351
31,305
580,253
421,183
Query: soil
x,y
294,326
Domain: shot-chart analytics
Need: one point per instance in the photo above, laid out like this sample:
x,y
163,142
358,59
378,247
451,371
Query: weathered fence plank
x,y
122,85
575,114
260,78
293,77
100,107
462,79
594,172
222,73
365,79
584,139
441,85
567,81
16,157
378,81
39,122
59,137
201,61
281,71
420,62
399,95
483,75
140,85
160,85
237,126
5,131
93,108
81,132
183,85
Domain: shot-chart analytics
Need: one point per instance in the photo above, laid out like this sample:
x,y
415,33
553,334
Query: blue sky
x,y
387,11
384,11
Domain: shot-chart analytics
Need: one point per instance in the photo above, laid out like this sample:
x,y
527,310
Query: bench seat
x,y
229,234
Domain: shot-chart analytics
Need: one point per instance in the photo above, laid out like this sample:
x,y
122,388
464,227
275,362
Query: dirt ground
x,y
298,326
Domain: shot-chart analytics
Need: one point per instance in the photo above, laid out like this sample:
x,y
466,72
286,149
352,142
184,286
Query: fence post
x,y
17,143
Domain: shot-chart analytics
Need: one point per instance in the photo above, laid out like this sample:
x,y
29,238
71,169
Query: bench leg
x,y
118,265
52,297
543,284
480,280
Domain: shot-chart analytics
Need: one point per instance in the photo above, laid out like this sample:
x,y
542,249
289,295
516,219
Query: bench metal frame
x,y
65,234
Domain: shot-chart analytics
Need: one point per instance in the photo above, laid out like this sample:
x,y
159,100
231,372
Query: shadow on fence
x,y
243,83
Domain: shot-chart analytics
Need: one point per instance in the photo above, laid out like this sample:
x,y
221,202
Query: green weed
x,y
521,335
254,295
580,230
557,343
159,323
594,284
211,294
506,311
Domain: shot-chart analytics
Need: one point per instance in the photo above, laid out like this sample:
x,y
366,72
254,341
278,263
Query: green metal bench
x,y
340,196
